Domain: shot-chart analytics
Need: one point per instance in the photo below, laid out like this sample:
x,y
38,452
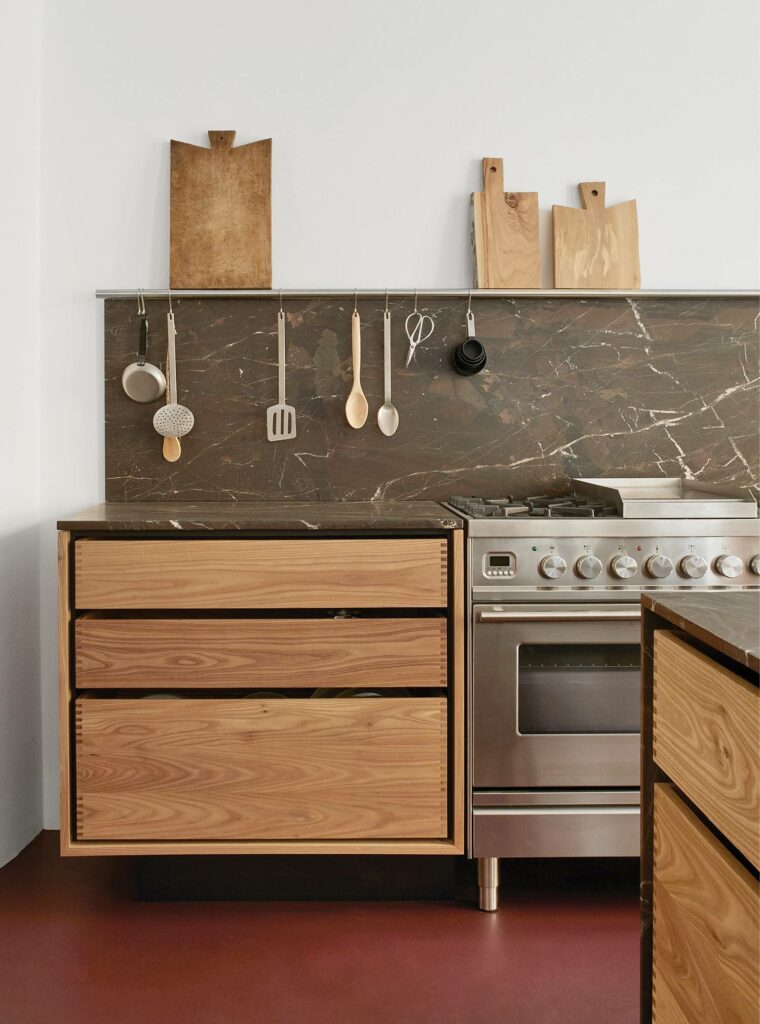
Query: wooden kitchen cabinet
x,y
700,814
706,955
238,768
205,574
166,746
167,653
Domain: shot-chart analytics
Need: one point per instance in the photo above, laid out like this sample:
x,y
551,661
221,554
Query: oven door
x,y
556,693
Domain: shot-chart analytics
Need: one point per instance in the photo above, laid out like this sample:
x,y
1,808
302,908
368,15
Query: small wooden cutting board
x,y
221,214
598,246
505,233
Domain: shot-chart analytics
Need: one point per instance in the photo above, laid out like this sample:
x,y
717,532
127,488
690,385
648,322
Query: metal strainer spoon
x,y
172,420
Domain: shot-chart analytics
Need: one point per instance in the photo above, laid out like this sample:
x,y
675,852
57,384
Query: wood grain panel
x,y
707,738
706,923
166,653
403,573
268,847
221,214
64,687
271,769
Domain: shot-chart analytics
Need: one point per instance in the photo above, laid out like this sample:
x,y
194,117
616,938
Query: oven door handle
x,y
566,615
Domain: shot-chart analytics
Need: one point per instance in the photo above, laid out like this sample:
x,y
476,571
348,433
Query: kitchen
x,y
405,475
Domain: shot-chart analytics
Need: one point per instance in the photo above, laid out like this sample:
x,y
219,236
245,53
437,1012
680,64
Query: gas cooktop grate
x,y
542,506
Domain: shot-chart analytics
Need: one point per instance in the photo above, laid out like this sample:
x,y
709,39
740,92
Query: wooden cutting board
x,y
221,214
505,233
598,246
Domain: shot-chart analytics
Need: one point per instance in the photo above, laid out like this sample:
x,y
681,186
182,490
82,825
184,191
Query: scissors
x,y
418,327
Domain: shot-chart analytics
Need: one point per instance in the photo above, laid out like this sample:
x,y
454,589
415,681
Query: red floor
x,y
76,947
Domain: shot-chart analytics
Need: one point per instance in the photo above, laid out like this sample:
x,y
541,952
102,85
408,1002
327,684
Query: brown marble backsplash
x,y
594,387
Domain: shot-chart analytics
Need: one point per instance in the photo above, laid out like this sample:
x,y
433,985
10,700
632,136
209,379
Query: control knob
x,y
552,566
754,565
729,565
588,567
693,567
659,566
623,566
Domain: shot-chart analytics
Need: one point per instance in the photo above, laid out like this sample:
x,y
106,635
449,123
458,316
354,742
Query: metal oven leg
x,y
488,883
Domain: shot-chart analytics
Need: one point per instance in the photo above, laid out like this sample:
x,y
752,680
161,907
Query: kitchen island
x,y
306,667
700,810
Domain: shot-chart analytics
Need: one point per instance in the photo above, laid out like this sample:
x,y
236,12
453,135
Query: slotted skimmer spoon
x,y
281,418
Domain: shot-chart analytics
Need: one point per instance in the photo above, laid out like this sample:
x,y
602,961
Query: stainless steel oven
x,y
553,590
557,697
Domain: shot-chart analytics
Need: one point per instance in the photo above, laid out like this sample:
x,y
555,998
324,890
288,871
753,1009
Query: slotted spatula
x,y
281,418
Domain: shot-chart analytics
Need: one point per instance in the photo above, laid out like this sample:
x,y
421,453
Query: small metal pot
x,y
141,380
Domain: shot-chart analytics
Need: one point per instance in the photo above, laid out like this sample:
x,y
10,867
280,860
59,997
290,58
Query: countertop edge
x,y
302,518
741,655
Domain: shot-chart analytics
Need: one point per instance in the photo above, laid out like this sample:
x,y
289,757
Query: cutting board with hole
x,y
221,214
597,246
505,233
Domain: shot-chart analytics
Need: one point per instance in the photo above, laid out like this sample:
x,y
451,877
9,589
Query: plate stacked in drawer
x,y
202,623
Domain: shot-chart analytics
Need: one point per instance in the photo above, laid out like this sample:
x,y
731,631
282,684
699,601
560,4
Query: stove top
x,y
661,498
604,537
542,506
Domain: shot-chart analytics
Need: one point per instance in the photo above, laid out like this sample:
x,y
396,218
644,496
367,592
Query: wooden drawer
x,y
193,768
403,573
707,738
167,653
706,946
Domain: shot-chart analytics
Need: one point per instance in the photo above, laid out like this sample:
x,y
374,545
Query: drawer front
x,y
707,738
403,573
270,653
706,946
172,769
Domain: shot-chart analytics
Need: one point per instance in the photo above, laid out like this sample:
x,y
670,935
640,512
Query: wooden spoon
x,y
357,408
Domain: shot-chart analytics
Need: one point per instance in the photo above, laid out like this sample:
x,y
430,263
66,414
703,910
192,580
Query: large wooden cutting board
x,y
221,214
598,246
505,233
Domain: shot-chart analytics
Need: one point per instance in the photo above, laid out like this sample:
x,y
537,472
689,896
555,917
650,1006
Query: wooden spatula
x,y
281,418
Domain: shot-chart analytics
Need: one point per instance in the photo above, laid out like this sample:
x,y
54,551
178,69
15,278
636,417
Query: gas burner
x,y
541,506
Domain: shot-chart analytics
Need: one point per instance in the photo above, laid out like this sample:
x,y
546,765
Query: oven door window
x,y
578,688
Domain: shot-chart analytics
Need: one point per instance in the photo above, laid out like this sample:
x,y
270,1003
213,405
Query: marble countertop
x,y
262,515
726,621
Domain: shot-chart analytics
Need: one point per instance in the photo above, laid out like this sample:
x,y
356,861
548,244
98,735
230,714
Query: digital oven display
x,y
500,560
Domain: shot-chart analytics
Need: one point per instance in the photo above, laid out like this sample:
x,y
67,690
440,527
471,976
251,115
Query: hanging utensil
x,y
281,418
172,420
141,380
387,414
357,408
418,329
470,355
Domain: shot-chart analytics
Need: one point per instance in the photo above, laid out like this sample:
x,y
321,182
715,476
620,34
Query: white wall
x,y
380,114
20,749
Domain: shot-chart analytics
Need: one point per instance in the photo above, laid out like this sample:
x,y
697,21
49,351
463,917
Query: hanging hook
x,y
387,311
415,300
469,303
282,311
356,295
140,302
171,311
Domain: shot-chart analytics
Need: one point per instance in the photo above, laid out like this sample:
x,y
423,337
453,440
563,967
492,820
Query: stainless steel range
x,y
554,654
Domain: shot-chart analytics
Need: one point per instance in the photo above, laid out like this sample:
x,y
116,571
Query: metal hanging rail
x,y
426,293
